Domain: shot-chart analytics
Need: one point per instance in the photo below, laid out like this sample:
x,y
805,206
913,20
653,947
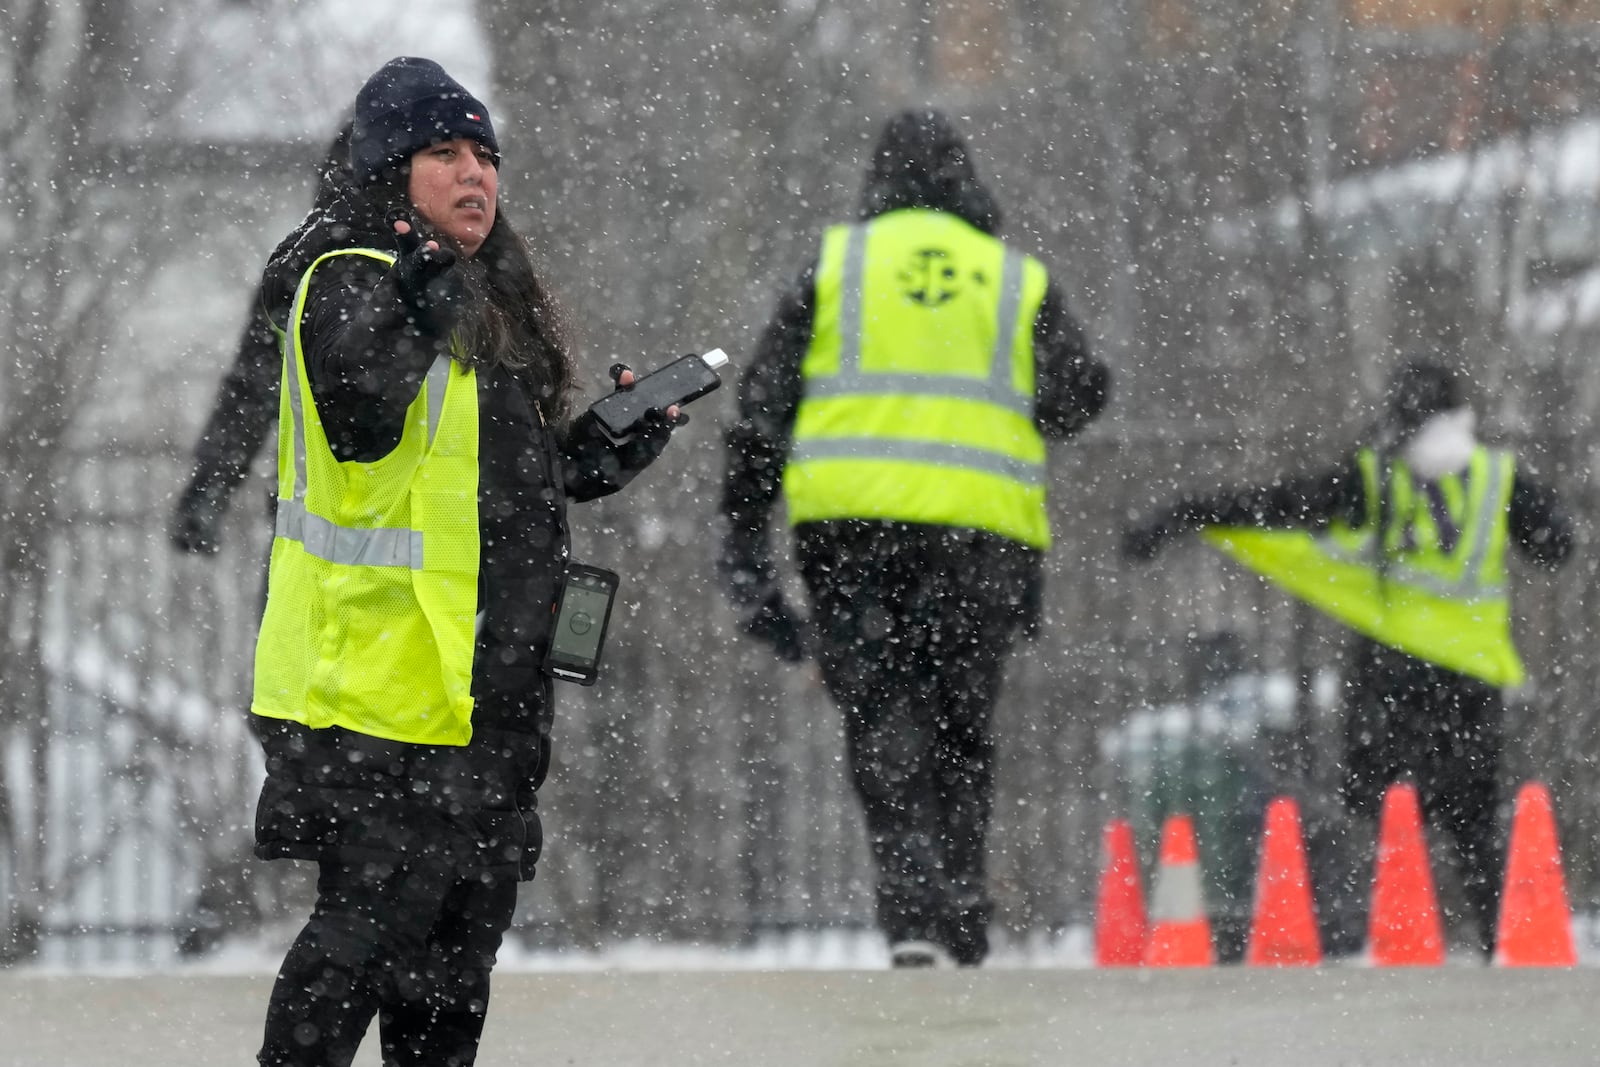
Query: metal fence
x,y
700,793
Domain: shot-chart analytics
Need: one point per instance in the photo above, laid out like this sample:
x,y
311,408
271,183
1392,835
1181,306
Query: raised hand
x,y
423,271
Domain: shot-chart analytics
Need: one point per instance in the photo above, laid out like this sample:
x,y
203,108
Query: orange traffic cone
x,y
1283,930
1404,928
1535,928
1180,933
1119,920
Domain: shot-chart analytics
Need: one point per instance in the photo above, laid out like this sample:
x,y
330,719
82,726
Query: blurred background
x,y
1252,207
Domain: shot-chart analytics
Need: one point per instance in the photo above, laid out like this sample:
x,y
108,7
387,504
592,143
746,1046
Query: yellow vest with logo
x,y
1448,606
918,401
373,587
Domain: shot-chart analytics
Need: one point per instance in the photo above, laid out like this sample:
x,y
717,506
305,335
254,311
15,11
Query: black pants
x,y
1408,719
914,626
412,945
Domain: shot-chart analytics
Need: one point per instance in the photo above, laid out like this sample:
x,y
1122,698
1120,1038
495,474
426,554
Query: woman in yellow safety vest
x,y
1406,545
426,456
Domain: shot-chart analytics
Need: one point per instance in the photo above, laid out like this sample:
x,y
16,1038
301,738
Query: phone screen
x,y
580,624
684,379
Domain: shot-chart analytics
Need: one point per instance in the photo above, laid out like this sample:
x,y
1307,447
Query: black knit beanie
x,y
1420,389
406,106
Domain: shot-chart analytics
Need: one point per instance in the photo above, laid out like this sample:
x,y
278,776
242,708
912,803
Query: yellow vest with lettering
x,y
373,587
918,401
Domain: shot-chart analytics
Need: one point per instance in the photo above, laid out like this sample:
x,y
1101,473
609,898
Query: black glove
x,y
1144,542
772,623
197,522
423,275
598,465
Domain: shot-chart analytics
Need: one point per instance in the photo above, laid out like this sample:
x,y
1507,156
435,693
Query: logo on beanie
x,y
407,105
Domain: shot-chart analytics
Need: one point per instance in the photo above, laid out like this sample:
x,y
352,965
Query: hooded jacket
x,y
336,794
918,162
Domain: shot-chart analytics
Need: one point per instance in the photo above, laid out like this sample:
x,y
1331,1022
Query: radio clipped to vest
x,y
582,612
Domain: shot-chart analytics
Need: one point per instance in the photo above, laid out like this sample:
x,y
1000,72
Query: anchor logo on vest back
x,y
929,278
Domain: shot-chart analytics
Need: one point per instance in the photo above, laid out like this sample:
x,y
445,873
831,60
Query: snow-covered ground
x,y
1328,1017
827,998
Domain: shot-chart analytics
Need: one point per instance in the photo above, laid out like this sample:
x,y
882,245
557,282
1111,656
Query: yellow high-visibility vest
x,y
918,400
373,586
1449,606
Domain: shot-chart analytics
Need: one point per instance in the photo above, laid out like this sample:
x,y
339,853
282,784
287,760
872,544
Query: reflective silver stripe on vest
x,y
855,263
1006,327
384,547
438,381
942,386
291,356
852,381
1472,585
940,455
1490,513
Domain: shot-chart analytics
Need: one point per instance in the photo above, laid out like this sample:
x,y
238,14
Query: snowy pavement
x,y
1455,1016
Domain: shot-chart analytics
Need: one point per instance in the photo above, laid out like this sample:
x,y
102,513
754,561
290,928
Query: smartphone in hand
x,y
687,378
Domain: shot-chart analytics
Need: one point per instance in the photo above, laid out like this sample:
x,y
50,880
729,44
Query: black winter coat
x,y
334,794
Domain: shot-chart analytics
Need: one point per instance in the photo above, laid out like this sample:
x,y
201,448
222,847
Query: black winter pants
x,y
1408,719
913,628
412,945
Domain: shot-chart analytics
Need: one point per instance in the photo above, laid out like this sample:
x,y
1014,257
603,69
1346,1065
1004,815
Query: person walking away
x,y
1405,543
246,406
427,453
900,397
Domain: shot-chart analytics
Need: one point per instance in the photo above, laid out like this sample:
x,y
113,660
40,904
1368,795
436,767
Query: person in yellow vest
x,y
1406,544
427,451
246,406
900,398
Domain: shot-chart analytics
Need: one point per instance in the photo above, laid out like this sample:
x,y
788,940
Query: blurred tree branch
x,y
67,261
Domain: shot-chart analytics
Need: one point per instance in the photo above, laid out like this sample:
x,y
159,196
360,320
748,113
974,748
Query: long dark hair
x,y
519,325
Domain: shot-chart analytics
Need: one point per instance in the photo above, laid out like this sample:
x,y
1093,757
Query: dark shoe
x,y
966,935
